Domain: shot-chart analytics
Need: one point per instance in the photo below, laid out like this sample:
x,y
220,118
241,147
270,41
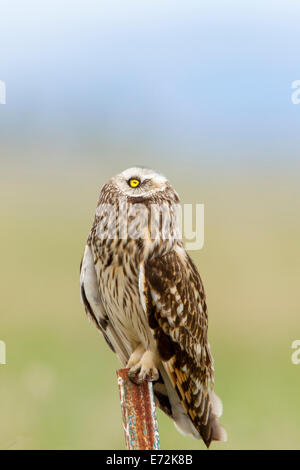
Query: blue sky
x,y
178,75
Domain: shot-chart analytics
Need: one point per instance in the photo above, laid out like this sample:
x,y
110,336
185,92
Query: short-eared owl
x,y
144,293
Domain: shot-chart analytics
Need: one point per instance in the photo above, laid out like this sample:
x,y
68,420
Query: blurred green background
x,y
59,389
188,90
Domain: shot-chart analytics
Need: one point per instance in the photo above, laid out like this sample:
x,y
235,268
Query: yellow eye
x,y
134,183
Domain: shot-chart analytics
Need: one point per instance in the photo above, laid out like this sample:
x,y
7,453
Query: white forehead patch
x,y
143,173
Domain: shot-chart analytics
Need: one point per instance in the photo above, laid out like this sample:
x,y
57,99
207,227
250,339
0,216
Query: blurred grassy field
x,y
59,390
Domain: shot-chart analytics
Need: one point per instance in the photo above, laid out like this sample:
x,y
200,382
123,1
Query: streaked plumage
x,y
145,294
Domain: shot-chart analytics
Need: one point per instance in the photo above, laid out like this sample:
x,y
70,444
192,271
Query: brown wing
x,y
176,307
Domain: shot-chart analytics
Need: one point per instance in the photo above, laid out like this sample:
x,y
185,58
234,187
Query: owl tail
x,y
213,431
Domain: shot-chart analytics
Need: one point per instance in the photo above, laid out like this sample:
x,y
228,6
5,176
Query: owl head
x,y
142,183
138,203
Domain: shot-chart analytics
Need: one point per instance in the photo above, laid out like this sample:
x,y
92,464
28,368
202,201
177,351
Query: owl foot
x,y
136,356
144,370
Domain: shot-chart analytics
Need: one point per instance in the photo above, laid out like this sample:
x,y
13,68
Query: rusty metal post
x,y
138,413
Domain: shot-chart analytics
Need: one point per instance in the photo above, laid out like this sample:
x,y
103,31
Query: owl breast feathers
x,y
144,293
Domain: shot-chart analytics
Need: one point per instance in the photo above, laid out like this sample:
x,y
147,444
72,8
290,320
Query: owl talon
x,y
144,370
153,376
134,379
142,375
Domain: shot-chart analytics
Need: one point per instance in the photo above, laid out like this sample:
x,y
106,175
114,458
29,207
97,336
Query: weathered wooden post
x,y
138,413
